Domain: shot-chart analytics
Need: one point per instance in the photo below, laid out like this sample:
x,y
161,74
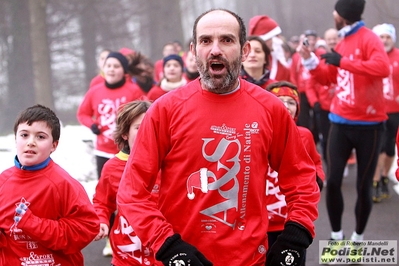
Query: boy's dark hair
x,y
242,31
280,84
126,114
40,113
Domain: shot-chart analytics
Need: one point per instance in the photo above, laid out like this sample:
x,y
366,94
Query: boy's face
x,y
290,103
134,127
34,143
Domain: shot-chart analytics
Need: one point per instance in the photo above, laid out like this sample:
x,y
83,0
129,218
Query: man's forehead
x,y
217,20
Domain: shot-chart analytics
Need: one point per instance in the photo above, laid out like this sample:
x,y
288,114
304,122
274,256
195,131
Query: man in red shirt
x,y
212,141
357,112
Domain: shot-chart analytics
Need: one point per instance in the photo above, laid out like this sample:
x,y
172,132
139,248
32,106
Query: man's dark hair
x,y
40,113
242,32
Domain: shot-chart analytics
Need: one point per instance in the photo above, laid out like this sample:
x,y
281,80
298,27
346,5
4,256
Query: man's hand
x,y
290,246
177,252
332,58
303,50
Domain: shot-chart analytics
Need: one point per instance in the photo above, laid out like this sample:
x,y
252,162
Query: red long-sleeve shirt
x,y
100,106
276,204
59,222
391,83
359,94
126,245
213,152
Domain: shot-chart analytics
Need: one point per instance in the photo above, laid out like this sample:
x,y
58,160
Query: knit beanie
x,y
287,91
121,58
173,57
264,27
385,29
351,10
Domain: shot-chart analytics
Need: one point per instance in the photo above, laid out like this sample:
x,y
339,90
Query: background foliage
x,y
48,48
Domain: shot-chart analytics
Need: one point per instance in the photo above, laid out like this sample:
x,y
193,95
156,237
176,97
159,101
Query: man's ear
x,y
192,49
245,51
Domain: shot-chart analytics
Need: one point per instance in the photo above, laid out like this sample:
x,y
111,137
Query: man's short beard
x,y
220,84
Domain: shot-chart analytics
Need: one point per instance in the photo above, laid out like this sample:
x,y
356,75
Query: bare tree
x,y
162,24
88,30
40,53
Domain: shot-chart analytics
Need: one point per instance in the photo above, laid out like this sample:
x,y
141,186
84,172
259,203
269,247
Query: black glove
x,y
332,58
290,246
317,107
175,250
319,182
94,128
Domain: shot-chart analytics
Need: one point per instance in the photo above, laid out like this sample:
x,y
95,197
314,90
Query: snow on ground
x,y
74,154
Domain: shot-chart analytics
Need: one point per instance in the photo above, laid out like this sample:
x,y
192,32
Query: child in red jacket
x,y
126,246
276,204
46,217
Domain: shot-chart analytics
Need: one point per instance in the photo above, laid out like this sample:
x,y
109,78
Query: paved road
x,y
383,224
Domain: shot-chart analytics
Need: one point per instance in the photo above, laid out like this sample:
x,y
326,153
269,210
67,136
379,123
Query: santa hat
x,y
385,29
264,27
198,180
125,51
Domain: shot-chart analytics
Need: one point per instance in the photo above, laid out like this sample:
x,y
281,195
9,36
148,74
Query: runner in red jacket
x,y
213,140
357,112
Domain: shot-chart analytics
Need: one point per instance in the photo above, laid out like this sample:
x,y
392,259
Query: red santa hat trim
x,y
198,180
264,27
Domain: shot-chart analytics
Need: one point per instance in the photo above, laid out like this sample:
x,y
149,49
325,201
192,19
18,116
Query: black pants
x,y
306,117
366,140
100,161
323,126
389,136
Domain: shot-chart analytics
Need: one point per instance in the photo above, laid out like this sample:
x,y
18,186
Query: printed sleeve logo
x,y
14,228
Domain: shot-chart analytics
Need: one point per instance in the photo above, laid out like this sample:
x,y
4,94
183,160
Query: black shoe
x,y
384,187
376,192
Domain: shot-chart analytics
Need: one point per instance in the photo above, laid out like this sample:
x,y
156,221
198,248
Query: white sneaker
x,y
107,251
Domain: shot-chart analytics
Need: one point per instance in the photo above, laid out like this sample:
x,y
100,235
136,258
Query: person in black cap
x,y
357,114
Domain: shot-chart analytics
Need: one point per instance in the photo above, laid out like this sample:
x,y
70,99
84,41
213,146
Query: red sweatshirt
x,y
276,204
59,222
100,106
391,83
213,151
358,95
126,246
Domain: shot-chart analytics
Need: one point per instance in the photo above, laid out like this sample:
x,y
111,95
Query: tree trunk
x,y
40,53
88,29
163,24
20,75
